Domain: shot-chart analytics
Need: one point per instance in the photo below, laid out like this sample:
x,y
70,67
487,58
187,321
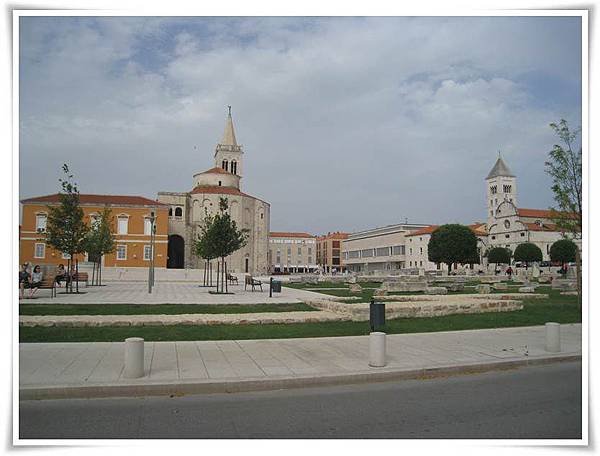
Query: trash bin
x,y
376,315
276,286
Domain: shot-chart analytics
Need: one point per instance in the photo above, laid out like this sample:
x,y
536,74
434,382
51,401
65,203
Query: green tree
x,y
499,255
564,250
565,167
99,241
203,246
220,238
451,244
528,252
66,230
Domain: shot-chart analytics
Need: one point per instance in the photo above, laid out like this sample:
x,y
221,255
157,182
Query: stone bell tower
x,y
228,154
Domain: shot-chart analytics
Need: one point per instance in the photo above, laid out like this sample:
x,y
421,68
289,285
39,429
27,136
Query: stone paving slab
x,y
47,369
170,293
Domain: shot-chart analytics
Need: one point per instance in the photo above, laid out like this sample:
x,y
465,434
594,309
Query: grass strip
x,y
157,309
535,312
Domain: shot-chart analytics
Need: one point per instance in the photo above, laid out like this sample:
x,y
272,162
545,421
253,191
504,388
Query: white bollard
x,y
134,357
553,337
377,349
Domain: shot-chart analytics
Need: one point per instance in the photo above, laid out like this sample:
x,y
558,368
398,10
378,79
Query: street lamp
x,y
151,265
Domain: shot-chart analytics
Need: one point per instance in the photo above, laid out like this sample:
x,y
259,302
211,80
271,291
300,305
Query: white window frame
x,y
126,219
124,246
35,247
148,250
147,225
38,217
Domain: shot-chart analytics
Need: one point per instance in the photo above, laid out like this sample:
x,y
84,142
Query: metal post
x,y
271,287
151,264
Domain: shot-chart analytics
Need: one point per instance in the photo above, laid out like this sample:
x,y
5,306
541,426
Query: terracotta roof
x,y
217,170
85,199
219,190
542,227
477,228
427,230
284,234
337,236
541,213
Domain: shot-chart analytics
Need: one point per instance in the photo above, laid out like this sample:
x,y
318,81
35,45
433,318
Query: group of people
x,y
32,279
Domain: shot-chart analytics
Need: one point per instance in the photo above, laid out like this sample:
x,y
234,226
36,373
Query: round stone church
x,y
187,210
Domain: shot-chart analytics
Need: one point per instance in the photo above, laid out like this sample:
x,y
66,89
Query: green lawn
x,y
557,308
156,309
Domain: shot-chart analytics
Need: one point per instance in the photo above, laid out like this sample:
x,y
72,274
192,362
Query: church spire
x,y
229,133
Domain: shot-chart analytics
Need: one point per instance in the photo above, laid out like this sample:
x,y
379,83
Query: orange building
x,y
131,225
329,251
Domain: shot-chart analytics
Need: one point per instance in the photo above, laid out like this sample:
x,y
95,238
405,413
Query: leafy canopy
x,y
528,252
220,236
564,251
499,255
66,230
100,239
564,167
452,243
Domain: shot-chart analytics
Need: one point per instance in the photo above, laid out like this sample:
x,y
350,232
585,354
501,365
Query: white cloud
x,y
347,122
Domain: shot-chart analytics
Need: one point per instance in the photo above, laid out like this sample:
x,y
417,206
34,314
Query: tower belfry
x,y
228,153
501,186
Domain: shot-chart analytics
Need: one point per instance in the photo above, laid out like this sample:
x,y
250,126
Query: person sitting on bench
x,y
36,280
61,274
24,278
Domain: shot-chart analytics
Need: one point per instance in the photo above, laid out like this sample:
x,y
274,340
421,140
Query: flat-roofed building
x,y
378,249
329,252
292,252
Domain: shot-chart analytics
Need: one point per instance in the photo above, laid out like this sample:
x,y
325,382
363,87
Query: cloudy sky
x,y
346,123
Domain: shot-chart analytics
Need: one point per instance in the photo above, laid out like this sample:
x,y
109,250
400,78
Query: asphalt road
x,y
533,402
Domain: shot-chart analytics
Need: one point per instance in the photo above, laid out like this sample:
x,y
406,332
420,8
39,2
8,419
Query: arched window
x,y
219,183
178,212
225,165
233,166
170,212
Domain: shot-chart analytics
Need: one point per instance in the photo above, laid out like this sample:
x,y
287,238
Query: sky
x,y
347,123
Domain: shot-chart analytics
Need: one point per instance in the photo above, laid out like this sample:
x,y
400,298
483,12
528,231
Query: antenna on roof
x,y
229,107
498,153
405,220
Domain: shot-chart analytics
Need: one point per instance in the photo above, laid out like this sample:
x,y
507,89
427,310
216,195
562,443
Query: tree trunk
x,y
226,281
93,272
449,268
77,275
100,271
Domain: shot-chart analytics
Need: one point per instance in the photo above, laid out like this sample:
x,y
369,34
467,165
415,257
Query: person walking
x,y
509,273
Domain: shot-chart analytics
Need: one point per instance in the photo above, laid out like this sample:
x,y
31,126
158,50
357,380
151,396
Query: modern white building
x,y
378,249
292,252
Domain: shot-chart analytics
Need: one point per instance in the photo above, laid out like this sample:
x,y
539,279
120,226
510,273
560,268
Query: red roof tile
x,y
476,228
219,190
337,236
284,234
85,199
542,227
427,230
541,213
217,170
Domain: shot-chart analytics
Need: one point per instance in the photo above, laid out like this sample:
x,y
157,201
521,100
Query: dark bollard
x,y
376,315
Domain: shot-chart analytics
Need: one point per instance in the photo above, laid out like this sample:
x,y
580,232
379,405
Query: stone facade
x,y
187,211
291,252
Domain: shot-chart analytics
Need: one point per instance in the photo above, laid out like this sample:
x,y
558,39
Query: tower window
x,y
225,165
507,188
219,183
178,212
233,166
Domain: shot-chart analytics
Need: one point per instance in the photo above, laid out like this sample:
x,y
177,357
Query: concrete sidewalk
x,y
60,370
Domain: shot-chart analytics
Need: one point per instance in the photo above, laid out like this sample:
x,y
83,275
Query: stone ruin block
x,y
527,290
436,290
355,288
500,286
483,289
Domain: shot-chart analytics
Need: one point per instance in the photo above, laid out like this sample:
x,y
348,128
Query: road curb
x,y
182,388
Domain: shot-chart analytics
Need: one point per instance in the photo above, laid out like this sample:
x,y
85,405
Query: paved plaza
x,y
98,366
170,293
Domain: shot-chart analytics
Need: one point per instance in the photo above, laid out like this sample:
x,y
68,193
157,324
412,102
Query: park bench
x,y
252,282
49,283
81,277
232,279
